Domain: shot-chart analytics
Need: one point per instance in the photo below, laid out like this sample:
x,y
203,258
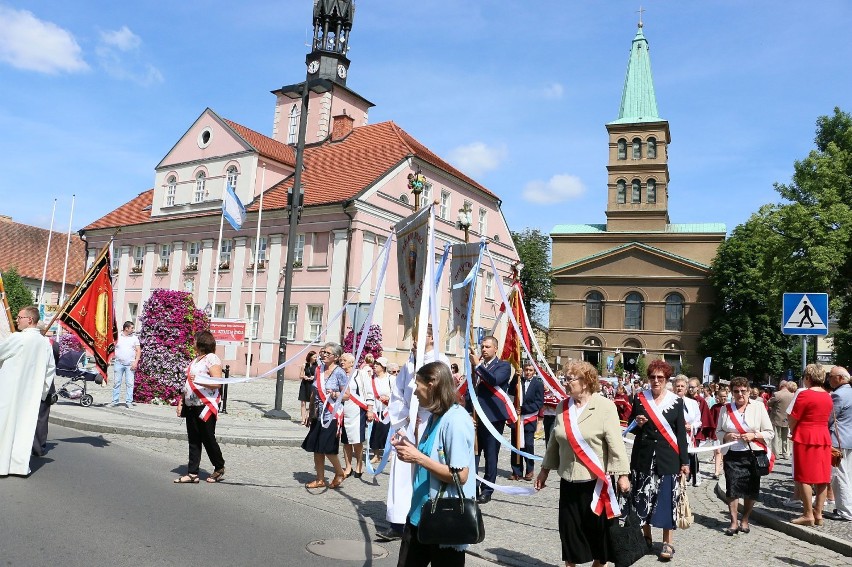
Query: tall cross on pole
x,y
639,11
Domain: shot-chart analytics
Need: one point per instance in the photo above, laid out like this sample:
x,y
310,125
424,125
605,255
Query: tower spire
x,y
638,100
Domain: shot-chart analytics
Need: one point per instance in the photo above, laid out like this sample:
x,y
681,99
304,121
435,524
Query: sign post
x,y
805,314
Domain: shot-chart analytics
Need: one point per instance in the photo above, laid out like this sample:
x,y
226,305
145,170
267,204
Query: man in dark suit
x,y
493,372
532,400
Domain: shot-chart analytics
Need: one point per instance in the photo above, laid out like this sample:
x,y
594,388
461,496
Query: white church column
x,y
336,293
176,266
270,305
206,272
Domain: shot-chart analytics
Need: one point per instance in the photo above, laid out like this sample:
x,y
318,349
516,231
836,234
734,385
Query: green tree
x,y
533,248
17,293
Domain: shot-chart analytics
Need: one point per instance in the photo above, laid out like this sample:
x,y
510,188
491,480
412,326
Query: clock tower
x,y
332,24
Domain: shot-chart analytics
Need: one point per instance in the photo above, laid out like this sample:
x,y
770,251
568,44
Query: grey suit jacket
x,y
842,399
778,405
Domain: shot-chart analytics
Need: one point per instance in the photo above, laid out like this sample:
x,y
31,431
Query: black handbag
x,y
450,521
759,462
625,533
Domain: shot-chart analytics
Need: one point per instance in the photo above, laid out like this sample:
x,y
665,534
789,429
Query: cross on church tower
x,y
639,11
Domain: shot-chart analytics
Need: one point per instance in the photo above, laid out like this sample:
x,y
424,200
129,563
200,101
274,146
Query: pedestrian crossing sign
x,y
805,314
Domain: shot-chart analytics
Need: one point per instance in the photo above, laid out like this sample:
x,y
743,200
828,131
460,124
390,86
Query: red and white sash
x,y
603,499
529,418
211,403
656,415
741,428
504,398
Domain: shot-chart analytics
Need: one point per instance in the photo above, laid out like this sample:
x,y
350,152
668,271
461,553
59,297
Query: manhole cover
x,y
347,549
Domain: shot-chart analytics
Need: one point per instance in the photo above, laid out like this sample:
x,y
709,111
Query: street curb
x,y
156,433
815,537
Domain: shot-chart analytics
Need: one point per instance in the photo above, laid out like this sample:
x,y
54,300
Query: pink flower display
x,y
69,342
372,346
169,323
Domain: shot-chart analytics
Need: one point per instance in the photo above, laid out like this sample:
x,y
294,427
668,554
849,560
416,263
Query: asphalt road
x,y
94,502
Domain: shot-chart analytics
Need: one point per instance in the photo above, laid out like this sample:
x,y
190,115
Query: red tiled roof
x,y
334,171
23,247
337,171
265,146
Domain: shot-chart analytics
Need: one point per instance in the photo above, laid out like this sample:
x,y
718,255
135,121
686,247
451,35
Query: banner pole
x,y
46,256
249,357
67,250
61,310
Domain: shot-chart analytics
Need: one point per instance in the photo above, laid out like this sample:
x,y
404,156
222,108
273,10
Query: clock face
x,y
341,71
313,67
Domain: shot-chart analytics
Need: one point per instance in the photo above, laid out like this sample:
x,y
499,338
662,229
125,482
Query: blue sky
x,y
515,93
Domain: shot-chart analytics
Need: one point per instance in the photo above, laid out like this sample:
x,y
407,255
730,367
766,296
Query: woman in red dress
x,y
808,421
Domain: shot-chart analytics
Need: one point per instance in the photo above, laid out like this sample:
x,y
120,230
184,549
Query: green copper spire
x,y
638,102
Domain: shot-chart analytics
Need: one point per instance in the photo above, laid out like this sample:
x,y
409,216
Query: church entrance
x,y
593,357
630,361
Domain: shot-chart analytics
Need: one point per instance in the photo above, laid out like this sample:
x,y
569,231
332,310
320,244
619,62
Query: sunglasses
x,y
656,377
740,391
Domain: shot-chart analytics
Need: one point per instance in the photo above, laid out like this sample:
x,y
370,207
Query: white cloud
x,y
120,55
36,45
477,158
123,39
553,91
559,188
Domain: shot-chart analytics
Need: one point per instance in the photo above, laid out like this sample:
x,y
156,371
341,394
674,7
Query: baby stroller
x,y
69,366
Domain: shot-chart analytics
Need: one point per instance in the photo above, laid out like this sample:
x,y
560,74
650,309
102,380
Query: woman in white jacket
x,y
358,406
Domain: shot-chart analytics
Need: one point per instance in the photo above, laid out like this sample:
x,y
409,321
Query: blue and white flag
x,y
232,208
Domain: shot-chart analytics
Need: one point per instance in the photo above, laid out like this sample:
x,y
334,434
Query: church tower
x,y
638,171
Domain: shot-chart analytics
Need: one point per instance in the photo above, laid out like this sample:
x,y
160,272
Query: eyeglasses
x,y
568,379
394,371
23,317
656,377
324,353
740,391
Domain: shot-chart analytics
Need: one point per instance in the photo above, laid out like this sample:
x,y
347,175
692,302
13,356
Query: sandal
x,y
668,552
318,483
338,480
186,479
216,476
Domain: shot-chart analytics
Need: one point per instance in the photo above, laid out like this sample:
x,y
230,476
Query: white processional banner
x,y
464,257
411,245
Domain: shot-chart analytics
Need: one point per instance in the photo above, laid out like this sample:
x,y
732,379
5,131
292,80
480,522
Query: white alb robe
x,y
404,411
351,410
27,370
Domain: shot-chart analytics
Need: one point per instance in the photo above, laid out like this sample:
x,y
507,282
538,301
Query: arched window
x,y
620,192
652,148
636,193
637,148
293,125
633,306
200,187
171,189
652,191
622,149
232,177
674,312
403,199
594,310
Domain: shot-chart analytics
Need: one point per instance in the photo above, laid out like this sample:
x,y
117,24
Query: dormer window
x,y
652,148
637,148
622,149
232,177
200,187
171,189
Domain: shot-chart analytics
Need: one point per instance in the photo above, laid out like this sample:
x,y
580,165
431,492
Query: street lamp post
x,y
417,184
294,207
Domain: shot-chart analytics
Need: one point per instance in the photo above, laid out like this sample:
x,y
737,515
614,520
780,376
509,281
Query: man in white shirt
x,y
692,417
127,353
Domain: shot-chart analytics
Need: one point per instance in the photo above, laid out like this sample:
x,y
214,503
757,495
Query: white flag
x,y
232,208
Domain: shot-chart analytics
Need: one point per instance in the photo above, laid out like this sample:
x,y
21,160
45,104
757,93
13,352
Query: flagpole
x,y
46,256
61,310
216,259
250,358
67,249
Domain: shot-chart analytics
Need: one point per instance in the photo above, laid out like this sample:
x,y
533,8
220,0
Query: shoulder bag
x,y
759,462
684,510
450,521
836,453
625,532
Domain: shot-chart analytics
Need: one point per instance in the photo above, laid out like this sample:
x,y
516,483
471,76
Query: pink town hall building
x,y
355,182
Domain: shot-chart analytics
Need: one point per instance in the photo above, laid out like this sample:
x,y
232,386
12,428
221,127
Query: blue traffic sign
x,y
805,314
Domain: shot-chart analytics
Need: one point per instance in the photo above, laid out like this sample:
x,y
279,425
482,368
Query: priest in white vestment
x,y
404,413
27,370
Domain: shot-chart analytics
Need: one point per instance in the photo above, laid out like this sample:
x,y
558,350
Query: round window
x,y
204,138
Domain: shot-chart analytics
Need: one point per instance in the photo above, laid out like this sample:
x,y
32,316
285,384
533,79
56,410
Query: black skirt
x,y
306,388
379,436
322,439
584,534
740,479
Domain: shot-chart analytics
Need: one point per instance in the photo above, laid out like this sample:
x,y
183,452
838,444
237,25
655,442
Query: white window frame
x,y
299,251
193,251
253,318
445,205
313,323
482,221
292,320
261,252
489,286
138,257
171,191
426,196
293,125
219,311
132,312
200,187
225,252
165,257
231,177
